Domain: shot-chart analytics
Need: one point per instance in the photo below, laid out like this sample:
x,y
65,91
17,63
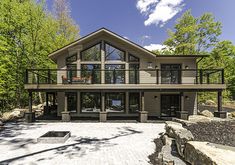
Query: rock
x,y
233,114
210,102
199,118
206,113
180,134
19,112
169,154
1,123
209,153
183,122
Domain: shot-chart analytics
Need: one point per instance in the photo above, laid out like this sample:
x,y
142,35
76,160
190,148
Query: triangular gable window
x,y
133,58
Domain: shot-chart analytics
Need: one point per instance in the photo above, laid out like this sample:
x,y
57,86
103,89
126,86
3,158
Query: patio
x,y
90,143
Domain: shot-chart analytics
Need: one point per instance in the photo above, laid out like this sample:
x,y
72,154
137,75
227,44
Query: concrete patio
x,y
90,143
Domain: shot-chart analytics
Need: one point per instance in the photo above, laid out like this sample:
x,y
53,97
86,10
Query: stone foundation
x,y
103,116
66,116
143,116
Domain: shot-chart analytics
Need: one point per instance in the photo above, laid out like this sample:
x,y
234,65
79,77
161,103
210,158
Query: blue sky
x,y
146,21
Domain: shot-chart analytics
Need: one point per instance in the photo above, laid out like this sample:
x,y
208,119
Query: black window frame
x,y
69,62
171,70
137,102
99,43
115,93
98,93
105,53
114,74
91,70
68,102
131,55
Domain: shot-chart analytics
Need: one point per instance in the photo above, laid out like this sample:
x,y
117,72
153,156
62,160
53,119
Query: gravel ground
x,y
222,132
90,143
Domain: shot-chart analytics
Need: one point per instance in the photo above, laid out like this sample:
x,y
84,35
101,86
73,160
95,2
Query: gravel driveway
x,y
90,143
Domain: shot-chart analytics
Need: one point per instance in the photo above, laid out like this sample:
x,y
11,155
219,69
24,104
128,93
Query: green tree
x,y
193,35
28,33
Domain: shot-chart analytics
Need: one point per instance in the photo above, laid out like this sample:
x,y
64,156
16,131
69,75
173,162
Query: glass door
x,y
171,74
170,103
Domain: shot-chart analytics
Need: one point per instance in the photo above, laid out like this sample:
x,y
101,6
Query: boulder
x,y
210,102
1,123
208,153
206,113
232,114
180,134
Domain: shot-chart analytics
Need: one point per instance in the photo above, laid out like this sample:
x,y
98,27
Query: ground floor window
x,y
90,101
72,101
134,102
115,102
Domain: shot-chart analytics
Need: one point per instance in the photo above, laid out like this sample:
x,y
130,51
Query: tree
x,y
28,33
193,35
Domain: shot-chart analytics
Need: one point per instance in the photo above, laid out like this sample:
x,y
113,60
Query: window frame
x,y
114,77
98,43
82,64
139,105
82,92
129,58
76,96
124,102
70,62
116,47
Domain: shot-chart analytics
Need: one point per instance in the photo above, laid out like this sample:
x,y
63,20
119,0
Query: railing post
x,y
114,76
201,72
208,78
157,76
222,76
49,76
38,78
26,76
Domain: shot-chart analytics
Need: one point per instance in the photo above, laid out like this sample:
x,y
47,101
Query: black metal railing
x,y
124,76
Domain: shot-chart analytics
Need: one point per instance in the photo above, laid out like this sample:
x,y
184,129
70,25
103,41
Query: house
x,y
104,75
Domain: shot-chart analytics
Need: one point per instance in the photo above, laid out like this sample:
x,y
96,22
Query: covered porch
x,y
139,104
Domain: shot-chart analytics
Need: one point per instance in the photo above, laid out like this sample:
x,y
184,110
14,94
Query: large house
x,y
104,75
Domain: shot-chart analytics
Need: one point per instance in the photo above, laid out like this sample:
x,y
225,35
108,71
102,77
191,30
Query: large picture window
x,y
114,74
112,53
92,54
72,101
91,72
90,102
134,102
115,102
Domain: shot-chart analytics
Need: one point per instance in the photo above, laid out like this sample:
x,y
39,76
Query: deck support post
x,y
220,113
103,113
66,114
143,115
30,115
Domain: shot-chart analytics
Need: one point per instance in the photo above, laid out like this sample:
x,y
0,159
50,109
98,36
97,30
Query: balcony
x,y
123,76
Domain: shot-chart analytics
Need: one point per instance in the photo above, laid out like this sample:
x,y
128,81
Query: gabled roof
x,y
95,33
54,54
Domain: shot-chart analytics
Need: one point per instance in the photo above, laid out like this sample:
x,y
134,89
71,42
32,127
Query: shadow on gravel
x,y
77,149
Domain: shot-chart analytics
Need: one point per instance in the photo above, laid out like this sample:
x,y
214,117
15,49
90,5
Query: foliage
x,y
193,35
28,33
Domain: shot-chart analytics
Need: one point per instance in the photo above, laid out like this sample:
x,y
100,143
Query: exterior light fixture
x,y
150,65
156,67
155,97
186,97
186,67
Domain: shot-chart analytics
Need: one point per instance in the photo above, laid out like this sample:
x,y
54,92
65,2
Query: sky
x,y
145,22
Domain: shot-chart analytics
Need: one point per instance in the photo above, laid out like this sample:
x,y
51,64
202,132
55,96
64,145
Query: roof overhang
x,y
101,31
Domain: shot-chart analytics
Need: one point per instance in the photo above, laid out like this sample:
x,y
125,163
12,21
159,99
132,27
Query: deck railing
x,y
124,76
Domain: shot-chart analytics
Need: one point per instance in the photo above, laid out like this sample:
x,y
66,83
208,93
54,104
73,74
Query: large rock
x,y
180,134
206,113
198,153
210,102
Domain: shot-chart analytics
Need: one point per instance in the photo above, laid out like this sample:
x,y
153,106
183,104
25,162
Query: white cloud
x,y
154,47
126,37
146,37
159,12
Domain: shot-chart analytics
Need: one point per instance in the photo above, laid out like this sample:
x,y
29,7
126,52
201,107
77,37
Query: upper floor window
x,y
71,59
112,53
133,58
92,54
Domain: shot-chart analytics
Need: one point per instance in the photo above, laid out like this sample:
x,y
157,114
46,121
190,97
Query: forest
x,y
29,31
